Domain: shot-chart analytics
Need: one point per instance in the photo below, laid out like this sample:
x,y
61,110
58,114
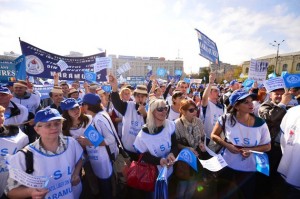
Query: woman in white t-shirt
x,y
75,125
157,140
55,156
244,133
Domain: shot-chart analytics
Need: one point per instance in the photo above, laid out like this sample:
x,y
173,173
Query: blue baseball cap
x,y
46,115
239,95
91,99
233,82
68,104
4,90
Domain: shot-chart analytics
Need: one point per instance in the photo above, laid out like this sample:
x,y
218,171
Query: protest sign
x,y
214,164
102,63
11,70
27,179
178,72
208,48
258,70
196,81
161,72
274,83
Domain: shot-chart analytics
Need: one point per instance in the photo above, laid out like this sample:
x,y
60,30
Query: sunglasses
x,y
191,110
161,109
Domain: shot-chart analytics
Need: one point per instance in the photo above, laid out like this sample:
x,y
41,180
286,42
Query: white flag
x,y
62,65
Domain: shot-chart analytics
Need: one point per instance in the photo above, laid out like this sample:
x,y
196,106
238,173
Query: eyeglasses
x,y
50,125
161,109
191,110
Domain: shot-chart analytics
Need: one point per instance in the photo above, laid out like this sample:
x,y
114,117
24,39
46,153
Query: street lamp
x,y
278,44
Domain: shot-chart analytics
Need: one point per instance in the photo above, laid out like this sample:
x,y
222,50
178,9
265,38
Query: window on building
x,y
298,67
284,67
247,70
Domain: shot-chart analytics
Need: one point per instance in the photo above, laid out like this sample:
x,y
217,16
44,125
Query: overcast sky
x,y
159,28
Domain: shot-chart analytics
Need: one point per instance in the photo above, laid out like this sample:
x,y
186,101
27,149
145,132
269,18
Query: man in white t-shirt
x,y
290,146
211,107
14,114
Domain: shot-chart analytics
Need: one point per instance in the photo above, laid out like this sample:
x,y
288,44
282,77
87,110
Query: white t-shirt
x,y
18,119
290,145
244,136
98,156
75,133
132,124
58,167
32,103
211,117
173,115
9,145
158,145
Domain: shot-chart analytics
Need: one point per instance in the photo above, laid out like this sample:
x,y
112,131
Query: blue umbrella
x,y
161,185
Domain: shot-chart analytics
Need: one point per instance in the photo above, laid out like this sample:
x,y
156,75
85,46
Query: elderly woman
x,y
244,133
157,139
54,156
189,134
12,139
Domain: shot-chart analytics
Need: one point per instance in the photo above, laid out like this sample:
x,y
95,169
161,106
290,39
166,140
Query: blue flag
x,y
262,163
93,135
291,80
90,76
187,80
248,84
148,75
161,185
208,48
20,68
106,88
178,72
161,72
188,157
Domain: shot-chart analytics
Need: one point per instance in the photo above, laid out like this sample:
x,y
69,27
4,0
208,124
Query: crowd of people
x,y
151,123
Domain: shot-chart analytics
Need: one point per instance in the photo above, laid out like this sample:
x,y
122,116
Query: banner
x,y
258,70
291,80
208,48
12,69
40,63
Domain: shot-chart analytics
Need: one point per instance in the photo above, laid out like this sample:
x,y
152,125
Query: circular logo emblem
x,y
261,161
293,79
93,135
186,156
34,65
89,76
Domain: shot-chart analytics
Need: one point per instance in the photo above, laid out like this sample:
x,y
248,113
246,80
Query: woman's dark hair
x,y
233,111
95,108
68,122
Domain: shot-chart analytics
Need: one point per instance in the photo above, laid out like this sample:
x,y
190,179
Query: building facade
x,y
289,62
139,65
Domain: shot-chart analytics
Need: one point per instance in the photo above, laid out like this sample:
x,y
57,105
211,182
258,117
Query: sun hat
x,y
141,89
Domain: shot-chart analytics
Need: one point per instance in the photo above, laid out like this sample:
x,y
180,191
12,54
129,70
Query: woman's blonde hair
x,y
123,90
150,117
